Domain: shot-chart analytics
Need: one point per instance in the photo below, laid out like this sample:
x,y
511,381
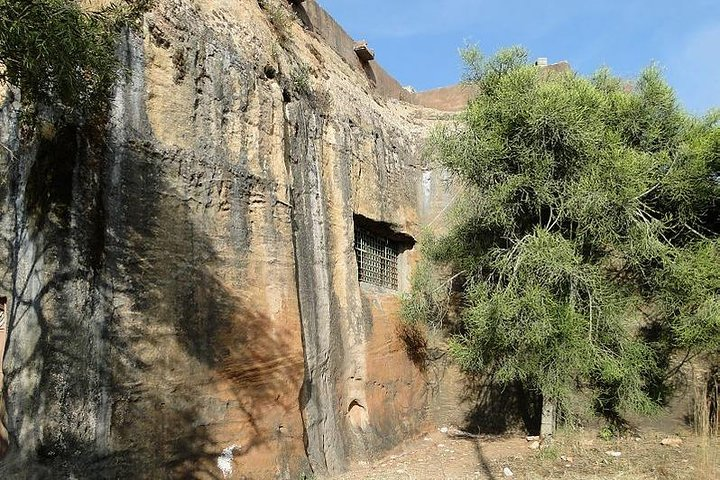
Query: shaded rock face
x,y
182,285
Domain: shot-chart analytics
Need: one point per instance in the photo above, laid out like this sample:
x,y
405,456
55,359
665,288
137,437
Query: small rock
x,y
534,445
427,439
672,441
225,460
444,430
441,445
566,459
507,472
532,438
611,453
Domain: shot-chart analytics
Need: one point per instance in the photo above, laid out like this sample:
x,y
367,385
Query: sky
x,y
417,41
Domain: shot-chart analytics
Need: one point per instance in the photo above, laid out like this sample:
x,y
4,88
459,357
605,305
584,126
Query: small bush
x,y
300,80
280,17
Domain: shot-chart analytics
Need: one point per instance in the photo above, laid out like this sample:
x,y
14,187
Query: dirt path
x,y
436,456
574,455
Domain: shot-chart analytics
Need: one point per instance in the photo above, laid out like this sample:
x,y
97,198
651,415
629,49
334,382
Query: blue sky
x,y
417,40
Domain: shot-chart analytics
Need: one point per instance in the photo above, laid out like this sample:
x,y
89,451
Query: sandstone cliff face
x,y
184,284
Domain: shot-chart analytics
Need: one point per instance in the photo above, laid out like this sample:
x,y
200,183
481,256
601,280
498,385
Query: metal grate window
x,y
3,317
377,259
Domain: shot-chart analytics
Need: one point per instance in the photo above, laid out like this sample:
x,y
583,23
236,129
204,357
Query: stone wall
x,y
182,283
318,22
452,99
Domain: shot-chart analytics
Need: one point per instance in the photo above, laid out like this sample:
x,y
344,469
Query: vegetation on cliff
x,y
588,234
63,55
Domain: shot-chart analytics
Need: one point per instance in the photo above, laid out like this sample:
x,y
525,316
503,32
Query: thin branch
x,y
451,202
688,357
449,280
12,155
648,192
694,231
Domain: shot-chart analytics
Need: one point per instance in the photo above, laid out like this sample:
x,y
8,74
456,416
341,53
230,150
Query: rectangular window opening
x,y
3,319
377,250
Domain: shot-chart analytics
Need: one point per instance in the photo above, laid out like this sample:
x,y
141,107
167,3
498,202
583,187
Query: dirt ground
x,y
574,454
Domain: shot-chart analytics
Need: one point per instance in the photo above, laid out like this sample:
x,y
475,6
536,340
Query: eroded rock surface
x,y
182,283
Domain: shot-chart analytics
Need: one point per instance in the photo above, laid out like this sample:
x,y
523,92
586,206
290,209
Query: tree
x,y
63,55
587,233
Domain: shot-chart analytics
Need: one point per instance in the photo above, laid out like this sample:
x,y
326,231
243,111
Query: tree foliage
x,y
61,54
588,231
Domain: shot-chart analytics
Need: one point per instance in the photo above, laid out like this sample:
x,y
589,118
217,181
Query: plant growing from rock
x,y
588,233
280,17
300,80
62,55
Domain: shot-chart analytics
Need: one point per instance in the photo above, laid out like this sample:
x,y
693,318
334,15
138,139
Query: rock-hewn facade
x,y
184,283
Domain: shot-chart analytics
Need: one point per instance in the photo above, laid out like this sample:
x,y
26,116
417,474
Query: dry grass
x,y
579,454
582,455
642,457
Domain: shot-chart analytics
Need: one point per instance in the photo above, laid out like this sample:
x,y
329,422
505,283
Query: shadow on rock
x,y
145,360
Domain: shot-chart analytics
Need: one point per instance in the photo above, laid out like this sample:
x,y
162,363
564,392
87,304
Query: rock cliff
x,y
183,295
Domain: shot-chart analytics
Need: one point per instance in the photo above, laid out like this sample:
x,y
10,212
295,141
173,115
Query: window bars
x,y
3,314
377,259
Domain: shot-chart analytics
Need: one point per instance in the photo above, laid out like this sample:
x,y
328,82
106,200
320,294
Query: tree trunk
x,y
549,417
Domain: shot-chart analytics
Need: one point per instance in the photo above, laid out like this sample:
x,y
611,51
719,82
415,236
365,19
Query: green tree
x,y
61,54
587,232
